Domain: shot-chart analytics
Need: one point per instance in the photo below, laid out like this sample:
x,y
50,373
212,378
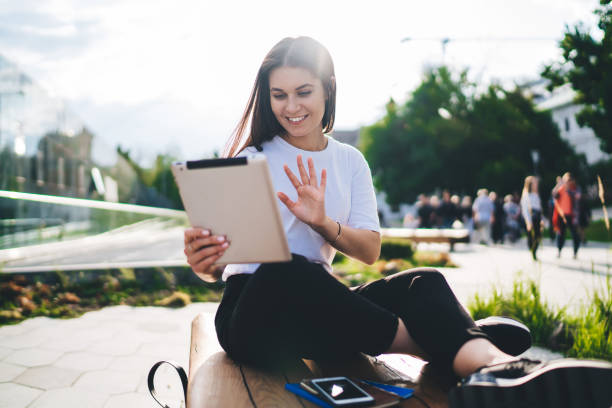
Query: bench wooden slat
x,y
216,381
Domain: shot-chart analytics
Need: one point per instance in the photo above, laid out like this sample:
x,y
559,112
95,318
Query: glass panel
x,y
50,232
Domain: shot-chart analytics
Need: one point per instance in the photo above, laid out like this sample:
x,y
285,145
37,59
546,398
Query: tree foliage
x,y
448,137
586,64
155,186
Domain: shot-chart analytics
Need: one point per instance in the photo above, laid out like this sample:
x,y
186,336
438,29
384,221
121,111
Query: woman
x,y
284,311
531,209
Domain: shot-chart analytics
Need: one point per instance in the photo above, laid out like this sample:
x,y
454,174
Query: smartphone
x,y
341,392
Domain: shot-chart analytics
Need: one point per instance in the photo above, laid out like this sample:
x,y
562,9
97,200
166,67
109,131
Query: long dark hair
x,y
300,52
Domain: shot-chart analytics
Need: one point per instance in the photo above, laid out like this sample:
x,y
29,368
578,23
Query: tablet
x,y
235,197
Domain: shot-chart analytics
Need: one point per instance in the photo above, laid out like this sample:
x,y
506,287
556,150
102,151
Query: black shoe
x,y
509,335
526,383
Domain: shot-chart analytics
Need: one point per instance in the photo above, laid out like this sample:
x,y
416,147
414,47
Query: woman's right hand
x,y
203,250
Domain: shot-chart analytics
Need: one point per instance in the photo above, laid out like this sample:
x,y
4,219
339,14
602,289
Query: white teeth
x,y
296,119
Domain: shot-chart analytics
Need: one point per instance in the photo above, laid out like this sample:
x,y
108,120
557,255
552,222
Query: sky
x,y
174,76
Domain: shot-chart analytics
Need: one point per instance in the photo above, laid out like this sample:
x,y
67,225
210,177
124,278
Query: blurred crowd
x,y
492,218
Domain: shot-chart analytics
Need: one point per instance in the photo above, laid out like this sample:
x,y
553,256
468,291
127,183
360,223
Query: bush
x,y
587,335
596,231
397,248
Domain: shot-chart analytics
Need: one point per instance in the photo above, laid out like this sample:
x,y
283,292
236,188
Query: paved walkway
x,y
98,360
101,359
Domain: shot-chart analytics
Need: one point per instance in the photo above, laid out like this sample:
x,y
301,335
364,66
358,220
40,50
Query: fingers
x,y
302,170
204,254
294,180
194,233
323,179
312,173
286,200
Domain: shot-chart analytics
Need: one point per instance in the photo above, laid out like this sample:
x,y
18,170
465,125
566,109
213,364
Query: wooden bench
x,y
445,235
217,381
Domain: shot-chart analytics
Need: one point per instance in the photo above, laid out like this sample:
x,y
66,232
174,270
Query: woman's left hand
x,y
310,204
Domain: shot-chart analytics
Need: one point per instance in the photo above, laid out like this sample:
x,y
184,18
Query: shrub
x,y
397,248
587,335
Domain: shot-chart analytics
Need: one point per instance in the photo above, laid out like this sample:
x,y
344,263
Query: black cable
x,y
244,381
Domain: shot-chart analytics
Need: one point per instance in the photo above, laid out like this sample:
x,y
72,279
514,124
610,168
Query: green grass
x,y
585,334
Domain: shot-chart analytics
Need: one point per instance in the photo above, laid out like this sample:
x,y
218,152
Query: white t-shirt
x,y
349,196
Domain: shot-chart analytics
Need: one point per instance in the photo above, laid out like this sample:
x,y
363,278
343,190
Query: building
x,y
560,103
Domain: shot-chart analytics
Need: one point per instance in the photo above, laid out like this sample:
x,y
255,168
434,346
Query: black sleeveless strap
x,y
180,372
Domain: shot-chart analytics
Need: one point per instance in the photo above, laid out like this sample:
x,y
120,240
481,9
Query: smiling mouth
x,y
297,119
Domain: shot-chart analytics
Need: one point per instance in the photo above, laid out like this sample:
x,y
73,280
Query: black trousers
x,y
561,234
535,235
292,310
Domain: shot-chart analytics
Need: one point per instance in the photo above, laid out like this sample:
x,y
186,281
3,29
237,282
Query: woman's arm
x,y
309,208
363,245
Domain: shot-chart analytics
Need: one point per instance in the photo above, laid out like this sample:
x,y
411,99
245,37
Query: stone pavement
x,y
99,360
102,358
563,281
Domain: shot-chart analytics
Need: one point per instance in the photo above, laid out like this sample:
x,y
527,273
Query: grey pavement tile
x,y
156,326
93,334
66,344
116,347
12,330
5,352
10,371
16,396
164,351
33,357
109,381
21,341
132,400
83,361
38,322
48,377
140,364
70,398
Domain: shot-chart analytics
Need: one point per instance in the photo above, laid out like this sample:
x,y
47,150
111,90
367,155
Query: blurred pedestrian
x,y
512,213
447,211
531,208
566,196
483,216
434,201
467,214
424,212
497,227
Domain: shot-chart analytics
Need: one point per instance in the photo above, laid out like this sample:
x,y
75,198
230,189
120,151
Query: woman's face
x,y
297,99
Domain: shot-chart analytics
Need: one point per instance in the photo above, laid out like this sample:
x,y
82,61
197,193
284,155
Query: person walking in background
x,y
512,214
424,212
566,196
457,218
466,215
446,211
531,209
497,228
434,201
483,216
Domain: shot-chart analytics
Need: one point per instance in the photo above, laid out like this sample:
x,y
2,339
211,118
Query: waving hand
x,y
310,204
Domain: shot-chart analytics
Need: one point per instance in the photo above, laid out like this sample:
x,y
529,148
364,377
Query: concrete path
x,y
99,360
563,281
102,358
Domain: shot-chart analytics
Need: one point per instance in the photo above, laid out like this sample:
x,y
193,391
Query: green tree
x,y
586,64
156,185
447,136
